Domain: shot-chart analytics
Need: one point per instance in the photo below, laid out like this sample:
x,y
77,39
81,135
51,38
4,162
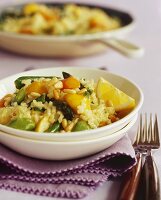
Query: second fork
x,y
150,176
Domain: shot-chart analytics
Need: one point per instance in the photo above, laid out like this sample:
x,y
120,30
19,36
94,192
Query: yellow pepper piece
x,y
2,103
75,100
37,87
31,8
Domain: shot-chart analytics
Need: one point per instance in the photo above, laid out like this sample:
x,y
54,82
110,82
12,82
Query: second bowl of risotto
x,y
65,29
67,103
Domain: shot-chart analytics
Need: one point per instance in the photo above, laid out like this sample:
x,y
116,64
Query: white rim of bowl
x,y
124,130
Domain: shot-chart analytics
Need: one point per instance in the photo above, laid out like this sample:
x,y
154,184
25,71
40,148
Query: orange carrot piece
x,y
70,83
2,103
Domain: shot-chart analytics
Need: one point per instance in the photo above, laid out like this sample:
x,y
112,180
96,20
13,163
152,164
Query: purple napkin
x,y
68,179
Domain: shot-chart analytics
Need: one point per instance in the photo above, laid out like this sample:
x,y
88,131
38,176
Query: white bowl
x,y
61,150
72,45
7,86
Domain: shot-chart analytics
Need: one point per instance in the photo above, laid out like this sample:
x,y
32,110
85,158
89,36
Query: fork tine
x,y
150,134
147,134
150,171
156,131
141,127
137,139
145,129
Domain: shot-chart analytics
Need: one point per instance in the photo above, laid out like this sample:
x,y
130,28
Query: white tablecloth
x,y
145,71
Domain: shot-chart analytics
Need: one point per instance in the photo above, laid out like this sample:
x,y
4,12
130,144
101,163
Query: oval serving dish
x,y
72,45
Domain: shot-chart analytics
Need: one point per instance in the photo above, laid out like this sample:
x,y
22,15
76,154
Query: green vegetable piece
x,y
20,96
42,98
39,109
80,126
23,124
54,128
64,108
10,13
88,92
19,84
66,75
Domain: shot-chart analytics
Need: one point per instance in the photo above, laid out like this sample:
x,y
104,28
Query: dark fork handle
x,y
131,181
151,186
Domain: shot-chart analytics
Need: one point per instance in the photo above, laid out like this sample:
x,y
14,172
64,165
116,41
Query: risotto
x,y
40,19
55,104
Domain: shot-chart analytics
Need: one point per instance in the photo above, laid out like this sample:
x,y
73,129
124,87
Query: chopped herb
x,y
88,92
42,98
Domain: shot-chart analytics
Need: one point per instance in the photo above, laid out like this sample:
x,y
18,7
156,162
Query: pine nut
x,y
70,91
7,101
77,89
35,94
64,123
76,120
62,131
69,127
58,85
56,94
82,91
60,119
52,119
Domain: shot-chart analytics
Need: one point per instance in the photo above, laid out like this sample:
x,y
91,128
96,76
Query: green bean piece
x,y
80,126
54,128
42,98
19,84
64,108
20,96
22,124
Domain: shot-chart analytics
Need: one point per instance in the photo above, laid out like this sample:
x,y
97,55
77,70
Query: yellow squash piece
x,y
75,100
43,124
31,8
109,93
5,115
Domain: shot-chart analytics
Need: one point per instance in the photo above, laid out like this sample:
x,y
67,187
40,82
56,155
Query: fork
x,y
131,179
147,138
